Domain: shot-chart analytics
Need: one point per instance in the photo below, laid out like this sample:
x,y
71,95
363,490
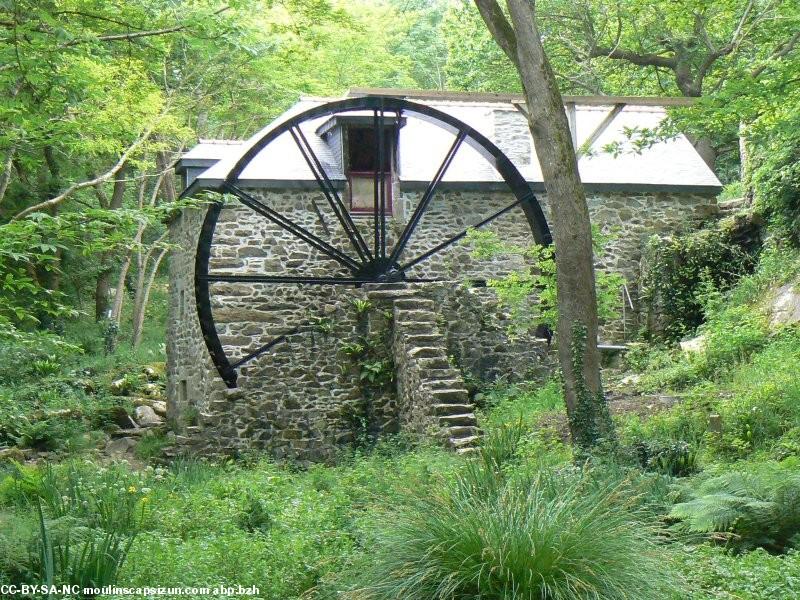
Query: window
x,y
362,165
183,392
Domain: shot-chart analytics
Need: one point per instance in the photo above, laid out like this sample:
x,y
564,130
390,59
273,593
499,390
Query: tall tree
x,y
520,40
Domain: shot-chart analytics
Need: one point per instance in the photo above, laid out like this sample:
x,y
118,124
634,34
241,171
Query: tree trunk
x,y
589,419
705,148
745,170
119,292
143,297
103,284
5,176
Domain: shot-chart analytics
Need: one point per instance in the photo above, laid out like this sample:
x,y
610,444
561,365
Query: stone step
x,y
414,316
415,328
451,409
414,304
450,396
439,362
463,419
427,352
455,383
424,339
462,431
432,375
464,442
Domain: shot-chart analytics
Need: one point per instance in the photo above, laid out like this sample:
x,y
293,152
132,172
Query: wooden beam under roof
x,y
517,98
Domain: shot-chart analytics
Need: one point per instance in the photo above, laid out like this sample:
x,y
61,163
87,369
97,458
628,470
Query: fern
x,y
747,510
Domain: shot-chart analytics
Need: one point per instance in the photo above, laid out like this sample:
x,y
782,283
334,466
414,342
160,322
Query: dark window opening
x,y
363,164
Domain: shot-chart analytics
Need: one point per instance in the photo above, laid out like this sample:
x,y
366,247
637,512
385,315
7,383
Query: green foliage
x,y
370,354
683,269
544,535
529,291
756,507
78,556
736,328
714,573
255,515
674,458
151,446
505,403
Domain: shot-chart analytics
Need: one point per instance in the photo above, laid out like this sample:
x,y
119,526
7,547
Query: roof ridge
x,y
510,98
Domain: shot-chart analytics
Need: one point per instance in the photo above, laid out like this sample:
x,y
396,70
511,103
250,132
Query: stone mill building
x,y
323,291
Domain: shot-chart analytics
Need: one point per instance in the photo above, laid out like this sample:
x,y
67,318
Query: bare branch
x,y
645,60
47,204
116,37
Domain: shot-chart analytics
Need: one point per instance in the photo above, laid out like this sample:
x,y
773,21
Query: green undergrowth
x,y
62,398
740,394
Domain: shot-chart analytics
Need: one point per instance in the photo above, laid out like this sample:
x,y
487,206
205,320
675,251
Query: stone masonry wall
x,y
301,400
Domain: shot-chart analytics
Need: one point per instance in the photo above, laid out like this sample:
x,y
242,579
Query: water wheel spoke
x,y
427,196
265,348
379,191
242,278
458,236
331,195
297,230
281,279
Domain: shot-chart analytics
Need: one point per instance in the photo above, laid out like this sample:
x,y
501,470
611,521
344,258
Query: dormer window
x,y
363,166
356,135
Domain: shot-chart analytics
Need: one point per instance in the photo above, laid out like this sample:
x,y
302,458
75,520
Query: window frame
x,y
350,174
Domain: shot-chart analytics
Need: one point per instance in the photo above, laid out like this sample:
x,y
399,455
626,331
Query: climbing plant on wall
x,y
681,269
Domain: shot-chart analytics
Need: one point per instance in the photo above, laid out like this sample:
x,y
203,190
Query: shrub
x,y
547,535
674,458
255,515
759,507
680,268
79,556
715,573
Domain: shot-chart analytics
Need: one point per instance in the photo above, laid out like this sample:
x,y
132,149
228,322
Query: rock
x,y
120,417
119,446
121,433
785,306
694,345
160,407
11,454
120,387
631,379
146,417
153,390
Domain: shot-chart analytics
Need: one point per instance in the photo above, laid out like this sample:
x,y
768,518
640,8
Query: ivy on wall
x,y
679,271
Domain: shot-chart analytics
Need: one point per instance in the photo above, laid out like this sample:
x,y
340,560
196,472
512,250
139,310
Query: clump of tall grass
x,y
544,534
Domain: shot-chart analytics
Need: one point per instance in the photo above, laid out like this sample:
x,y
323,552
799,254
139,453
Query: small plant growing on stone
x,y
323,325
377,372
191,415
353,349
361,305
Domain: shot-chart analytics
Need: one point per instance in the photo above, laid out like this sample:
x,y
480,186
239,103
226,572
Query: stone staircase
x,y
431,391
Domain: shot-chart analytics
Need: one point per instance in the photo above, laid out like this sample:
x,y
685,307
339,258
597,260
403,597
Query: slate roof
x,y
672,165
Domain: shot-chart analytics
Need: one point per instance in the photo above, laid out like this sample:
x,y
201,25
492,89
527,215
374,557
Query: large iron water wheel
x,y
364,251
